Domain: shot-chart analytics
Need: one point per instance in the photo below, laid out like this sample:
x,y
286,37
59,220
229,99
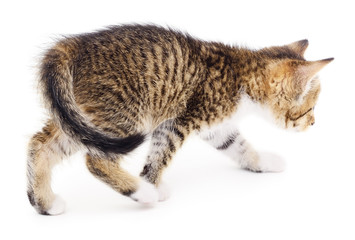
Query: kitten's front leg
x,y
227,139
258,161
166,139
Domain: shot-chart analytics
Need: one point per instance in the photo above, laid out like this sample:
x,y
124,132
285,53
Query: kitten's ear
x,y
299,46
305,72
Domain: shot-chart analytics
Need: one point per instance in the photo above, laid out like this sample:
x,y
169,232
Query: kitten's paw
x,y
146,193
163,191
269,162
58,206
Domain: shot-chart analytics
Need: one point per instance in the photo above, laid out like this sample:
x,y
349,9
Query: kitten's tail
x,y
56,81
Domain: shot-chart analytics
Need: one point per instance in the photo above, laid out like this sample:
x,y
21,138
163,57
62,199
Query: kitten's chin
x,y
280,123
302,129
296,129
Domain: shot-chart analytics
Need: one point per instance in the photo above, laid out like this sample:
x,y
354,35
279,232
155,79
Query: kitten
x,y
108,91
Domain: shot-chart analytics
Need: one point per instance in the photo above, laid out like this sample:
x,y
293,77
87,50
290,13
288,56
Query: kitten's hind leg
x,y
46,149
227,139
112,174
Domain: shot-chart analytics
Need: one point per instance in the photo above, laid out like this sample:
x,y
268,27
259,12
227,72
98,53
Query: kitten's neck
x,y
246,70
250,72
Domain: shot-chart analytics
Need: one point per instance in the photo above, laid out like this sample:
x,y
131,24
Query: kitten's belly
x,y
125,118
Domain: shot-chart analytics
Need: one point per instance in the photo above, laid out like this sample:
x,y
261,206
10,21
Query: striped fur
x,y
106,91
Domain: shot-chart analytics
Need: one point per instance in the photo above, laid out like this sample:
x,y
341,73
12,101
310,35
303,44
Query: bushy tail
x,y
56,81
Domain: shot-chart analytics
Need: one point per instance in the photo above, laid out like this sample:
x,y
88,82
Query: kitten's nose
x,y
312,123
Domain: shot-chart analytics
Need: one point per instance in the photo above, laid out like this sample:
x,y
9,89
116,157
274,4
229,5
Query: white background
x,y
211,197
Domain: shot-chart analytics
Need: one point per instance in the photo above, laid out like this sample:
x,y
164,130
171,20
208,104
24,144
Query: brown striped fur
x,y
150,81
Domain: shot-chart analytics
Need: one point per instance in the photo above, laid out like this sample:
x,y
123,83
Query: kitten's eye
x,y
300,116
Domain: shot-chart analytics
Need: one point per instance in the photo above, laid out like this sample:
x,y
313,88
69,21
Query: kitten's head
x,y
293,85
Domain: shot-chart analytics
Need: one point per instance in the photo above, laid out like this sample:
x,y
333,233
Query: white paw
x,y
269,162
163,191
146,193
58,206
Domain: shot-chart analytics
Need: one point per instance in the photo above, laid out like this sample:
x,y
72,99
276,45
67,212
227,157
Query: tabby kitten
x,y
109,91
